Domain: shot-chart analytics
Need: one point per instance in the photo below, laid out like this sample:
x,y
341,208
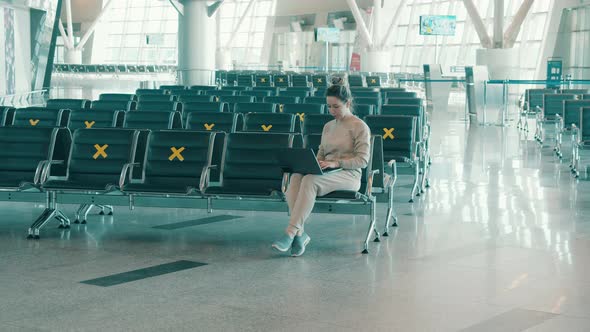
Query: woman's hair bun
x,y
337,80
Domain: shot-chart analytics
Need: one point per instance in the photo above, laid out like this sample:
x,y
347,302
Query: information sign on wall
x,y
438,25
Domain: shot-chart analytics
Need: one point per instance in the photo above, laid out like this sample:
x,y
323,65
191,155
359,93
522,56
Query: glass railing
x,y
25,99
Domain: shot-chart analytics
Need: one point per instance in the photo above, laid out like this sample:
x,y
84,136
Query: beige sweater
x,y
346,141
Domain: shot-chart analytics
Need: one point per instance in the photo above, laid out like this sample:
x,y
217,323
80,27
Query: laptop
x,y
303,161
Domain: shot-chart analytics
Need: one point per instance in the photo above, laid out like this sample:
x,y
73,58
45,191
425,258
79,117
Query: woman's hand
x,y
328,164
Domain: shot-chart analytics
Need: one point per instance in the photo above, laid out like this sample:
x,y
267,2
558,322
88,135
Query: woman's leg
x,y
293,190
312,186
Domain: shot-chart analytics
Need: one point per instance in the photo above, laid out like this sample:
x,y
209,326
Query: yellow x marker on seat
x,y
281,108
373,80
388,133
100,151
176,153
319,80
209,126
301,116
266,128
89,124
281,80
33,122
263,80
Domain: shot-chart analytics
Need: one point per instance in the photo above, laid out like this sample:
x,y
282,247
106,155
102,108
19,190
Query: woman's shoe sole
x,y
304,246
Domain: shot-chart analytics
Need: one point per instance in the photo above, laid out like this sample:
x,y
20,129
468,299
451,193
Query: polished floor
x,y
501,242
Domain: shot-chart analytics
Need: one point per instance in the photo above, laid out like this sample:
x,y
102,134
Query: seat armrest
x,y
126,168
205,174
39,171
370,175
392,164
47,169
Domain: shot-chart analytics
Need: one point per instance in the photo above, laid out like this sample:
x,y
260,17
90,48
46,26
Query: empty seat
x,y
366,94
571,112
574,91
195,99
155,106
301,111
400,94
231,100
363,110
96,160
203,88
254,108
281,100
140,92
319,80
295,93
263,80
404,101
249,165
315,100
282,81
158,98
152,120
174,161
25,151
35,117
356,81
173,88
6,115
273,91
259,94
376,102
270,122
234,88
72,104
219,93
245,80
314,123
214,121
117,97
300,80
373,81
95,119
231,78
205,107
113,105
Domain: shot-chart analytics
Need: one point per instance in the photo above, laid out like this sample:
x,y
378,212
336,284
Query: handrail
x,y
542,82
24,99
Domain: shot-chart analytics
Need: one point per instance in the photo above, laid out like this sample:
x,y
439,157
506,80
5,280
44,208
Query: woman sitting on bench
x,y
344,144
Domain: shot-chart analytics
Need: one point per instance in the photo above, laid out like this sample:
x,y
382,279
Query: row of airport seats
x,y
559,114
174,168
285,80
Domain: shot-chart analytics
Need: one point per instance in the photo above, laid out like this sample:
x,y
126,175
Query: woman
x,y
344,144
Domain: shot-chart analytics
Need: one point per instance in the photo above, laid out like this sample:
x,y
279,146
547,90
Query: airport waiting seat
x,y
399,94
319,81
195,99
301,110
26,151
363,110
374,101
249,166
282,81
582,144
549,121
399,144
152,120
205,107
586,96
202,88
245,80
366,94
187,93
373,81
315,100
231,100
113,105
405,101
300,80
231,78
573,91
571,122
314,123
219,93
269,122
214,121
157,98
531,106
295,93
39,117
259,94
173,88
238,89
281,100
255,108
356,81
6,115
159,106
273,90
95,119
72,104
264,80
117,97
141,92
173,162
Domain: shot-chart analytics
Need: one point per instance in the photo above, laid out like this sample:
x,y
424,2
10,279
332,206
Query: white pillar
x,y
499,24
514,27
478,24
196,44
73,56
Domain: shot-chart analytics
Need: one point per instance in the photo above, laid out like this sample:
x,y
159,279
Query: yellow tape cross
x,y
373,80
33,122
320,80
266,128
89,124
281,108
263,80
281,80
176,153
100,151
209,126
388,133
216,98
301,116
